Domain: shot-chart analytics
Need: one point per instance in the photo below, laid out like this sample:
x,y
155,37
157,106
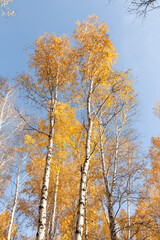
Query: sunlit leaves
x,y
147,212
79,87
4,224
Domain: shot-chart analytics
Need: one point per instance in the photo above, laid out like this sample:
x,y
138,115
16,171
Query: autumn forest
x,y
71,162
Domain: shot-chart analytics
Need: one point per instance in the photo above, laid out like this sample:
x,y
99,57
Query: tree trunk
x,y
110,196
14,205
54,205
111,220
86,219
44,192
84,171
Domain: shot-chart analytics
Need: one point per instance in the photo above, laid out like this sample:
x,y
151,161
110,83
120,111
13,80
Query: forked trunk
x,y
112,224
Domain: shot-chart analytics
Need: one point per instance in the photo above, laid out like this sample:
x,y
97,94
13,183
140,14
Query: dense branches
x,y
142,7
77,168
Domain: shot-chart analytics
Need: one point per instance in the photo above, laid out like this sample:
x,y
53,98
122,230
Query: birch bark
x,y
83,184
44,193
54,205
86,220
14,204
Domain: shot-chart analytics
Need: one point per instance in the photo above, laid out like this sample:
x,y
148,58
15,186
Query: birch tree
x,y
4,222
103,87
21,177
147,213
14,205
118,153
10,128
6,123
51,64
64,171
53,210
96,56
85,77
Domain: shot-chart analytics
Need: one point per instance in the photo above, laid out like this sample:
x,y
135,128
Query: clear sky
x,y
136,40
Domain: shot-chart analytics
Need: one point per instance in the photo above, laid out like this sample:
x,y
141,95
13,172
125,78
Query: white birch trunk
x,y
110,202
2,111
14,204
115,163
86,219
84,172
54,205
44,193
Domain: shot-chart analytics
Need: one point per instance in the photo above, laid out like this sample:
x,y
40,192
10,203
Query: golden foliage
x,y
148,209
4,223
57,65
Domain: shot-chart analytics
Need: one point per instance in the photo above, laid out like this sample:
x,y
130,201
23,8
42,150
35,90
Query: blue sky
x,y
136,40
